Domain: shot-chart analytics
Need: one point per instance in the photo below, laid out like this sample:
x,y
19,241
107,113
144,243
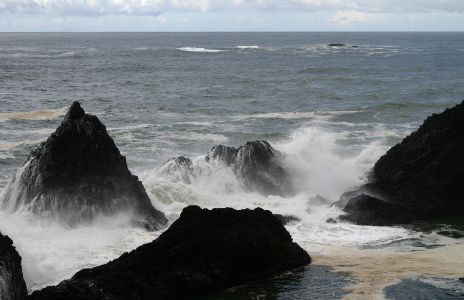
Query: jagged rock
x,y
203,251
420,178
12,285
177,169
256,164
285,219
78,174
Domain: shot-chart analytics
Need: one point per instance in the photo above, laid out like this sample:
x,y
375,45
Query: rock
x,y
203,251
256,164
285,219
12,285
419,179
336,45
177,169
78,174
331,221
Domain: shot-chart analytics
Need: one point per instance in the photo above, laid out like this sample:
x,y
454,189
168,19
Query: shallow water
x,y
332,110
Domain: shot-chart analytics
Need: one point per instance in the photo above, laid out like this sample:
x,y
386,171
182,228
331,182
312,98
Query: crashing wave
x,y
257,165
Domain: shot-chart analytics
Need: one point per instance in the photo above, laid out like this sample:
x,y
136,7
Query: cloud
x,y
349,17
346,9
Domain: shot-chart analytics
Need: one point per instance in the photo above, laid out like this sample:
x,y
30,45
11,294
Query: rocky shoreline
x,y
79,174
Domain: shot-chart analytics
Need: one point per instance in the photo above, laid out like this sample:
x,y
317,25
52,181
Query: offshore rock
x,y
257,165
419,179
12,285
78,174
202,252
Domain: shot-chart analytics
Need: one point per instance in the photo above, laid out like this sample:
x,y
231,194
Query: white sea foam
x,y
248,47
317,163
51,253
198,49
33,115
296,114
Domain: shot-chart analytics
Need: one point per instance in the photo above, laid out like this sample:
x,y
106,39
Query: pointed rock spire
x,y
75,111
78,174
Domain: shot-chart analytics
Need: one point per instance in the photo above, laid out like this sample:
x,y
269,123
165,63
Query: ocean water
x,y
332,110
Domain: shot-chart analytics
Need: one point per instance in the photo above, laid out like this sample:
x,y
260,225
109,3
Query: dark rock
x,y
256,164
420,178
331,221
12,285
79,173
203,251
336,45
285,219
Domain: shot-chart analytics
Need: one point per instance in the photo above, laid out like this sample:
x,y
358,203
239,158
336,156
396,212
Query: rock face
x,y
203,251
256,164
12,285
78,174
419,179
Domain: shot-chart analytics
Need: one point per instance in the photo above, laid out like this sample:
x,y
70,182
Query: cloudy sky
x,y
231,15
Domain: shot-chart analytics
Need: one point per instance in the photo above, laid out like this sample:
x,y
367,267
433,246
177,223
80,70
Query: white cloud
x,y
349,17
347,8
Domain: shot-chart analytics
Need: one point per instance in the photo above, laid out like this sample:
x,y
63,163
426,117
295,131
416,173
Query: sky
x,y
231,15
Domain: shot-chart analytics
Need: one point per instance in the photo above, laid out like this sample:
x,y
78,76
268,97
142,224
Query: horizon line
x,y
241,31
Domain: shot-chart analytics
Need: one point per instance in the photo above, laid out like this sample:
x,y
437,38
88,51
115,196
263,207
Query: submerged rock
x,y
12,285
203,251
420,178
257,165
79,174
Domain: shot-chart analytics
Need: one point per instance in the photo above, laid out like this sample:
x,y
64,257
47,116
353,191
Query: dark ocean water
x,y
333,110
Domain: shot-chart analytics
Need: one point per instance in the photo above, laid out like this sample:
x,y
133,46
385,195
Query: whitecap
x,y
198,49
248,47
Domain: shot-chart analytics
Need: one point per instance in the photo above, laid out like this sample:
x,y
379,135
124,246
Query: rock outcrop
x,y
77,174
12,285
203,251
419,179
257,165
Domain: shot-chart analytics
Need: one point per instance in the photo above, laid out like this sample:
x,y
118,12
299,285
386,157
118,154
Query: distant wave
x,y
296,115
35,115
248,47
197,49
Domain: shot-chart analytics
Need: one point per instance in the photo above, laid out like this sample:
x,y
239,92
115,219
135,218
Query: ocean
x,y
332,110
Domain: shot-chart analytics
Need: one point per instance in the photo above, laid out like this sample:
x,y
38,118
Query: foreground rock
x,y
203,251
79,174
12,285
419,179
257,165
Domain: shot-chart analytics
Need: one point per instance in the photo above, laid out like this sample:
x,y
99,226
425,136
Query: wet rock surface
x,y
420,178
12,285
78,174
257,165
202,252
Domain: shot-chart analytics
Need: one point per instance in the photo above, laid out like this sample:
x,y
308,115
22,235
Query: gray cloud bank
x,y
156,7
